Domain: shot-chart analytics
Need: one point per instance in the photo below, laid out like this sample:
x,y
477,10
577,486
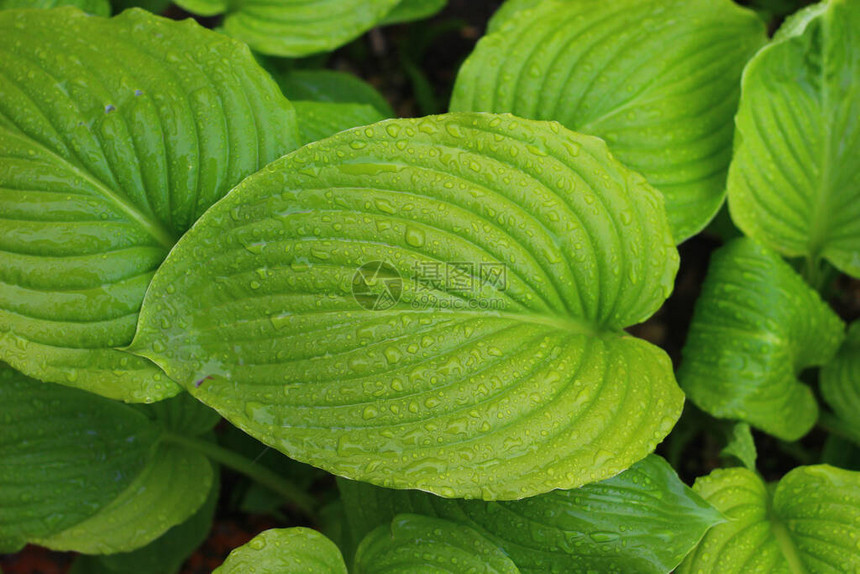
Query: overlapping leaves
x,y
294,28
756,326
840,382
285,551
794,182
644,520
414,543
657,79
81,472
434,304
807,523
115,136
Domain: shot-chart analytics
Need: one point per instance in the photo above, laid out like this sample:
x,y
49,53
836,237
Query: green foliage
x,y
96,7
756,326
414,544
840,381
294,28
294,357
285,551
794,183
806,523
411,10
102,167
603,68
741,446
165,555
81,472
643,520
319,120
439,311
330,86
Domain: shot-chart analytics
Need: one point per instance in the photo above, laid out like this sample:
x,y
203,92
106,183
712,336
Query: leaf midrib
x,y
153,227
820,221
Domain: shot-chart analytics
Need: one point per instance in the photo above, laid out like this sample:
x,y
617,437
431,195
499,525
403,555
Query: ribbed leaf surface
x,y
330,86
285,551
644,520
97,7
410,10
808,524
319,120
756,326
794,183
115,136
64,455
84,473
657,79
294,28
434,304
414,544
840,380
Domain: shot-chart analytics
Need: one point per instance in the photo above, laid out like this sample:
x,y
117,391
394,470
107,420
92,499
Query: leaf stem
x,y
258,473
813,272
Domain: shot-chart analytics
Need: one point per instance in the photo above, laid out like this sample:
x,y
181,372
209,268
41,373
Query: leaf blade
x,y
604,68
797,192
565,531
756,326
285,551
98,180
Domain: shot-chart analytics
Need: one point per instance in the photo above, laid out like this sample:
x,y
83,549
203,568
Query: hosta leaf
x,y
285,551
808,523
164,555
794,183
183,415
97,7
740,445
840,380
657,79
294,28
64,454
410,10
174,484
756,326
644,520
414,544
115,135
330,86
84,473
277,311
319,120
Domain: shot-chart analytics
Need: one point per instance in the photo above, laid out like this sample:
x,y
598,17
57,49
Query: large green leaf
x,y
97,7
414,544
115,136
285,551
807,524
657,79
410,10
162,556
840,380
644,520
330,86
319,120
294,28
756,326
794,182
430,303
81,472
